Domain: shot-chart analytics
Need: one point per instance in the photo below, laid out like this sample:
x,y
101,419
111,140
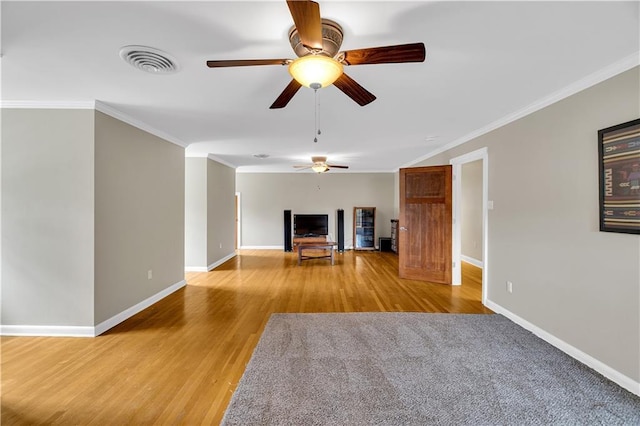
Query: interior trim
x,y
262,247
599,76
481,154
471,260
46,330
47,104
214,265
98,106
221,161
602,368
88,331
138,307
126,118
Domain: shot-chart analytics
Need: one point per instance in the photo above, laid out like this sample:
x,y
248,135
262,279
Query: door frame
x,y
456,163
238,220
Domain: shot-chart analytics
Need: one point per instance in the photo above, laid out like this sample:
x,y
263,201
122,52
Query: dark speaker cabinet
x,y
288,240
340,230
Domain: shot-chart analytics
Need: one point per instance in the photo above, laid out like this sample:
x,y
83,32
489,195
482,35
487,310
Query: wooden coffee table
x,y
325,245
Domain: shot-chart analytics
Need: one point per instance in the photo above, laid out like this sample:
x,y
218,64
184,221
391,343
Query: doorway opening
x,y
238,229
457,163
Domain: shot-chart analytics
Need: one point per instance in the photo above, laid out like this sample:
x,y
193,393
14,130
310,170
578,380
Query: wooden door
x,y
425,227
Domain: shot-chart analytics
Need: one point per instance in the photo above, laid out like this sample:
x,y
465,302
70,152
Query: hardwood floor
x,y
179,361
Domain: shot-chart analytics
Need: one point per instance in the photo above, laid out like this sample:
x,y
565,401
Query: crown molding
x,y
343,172
212,158
119,115
97,106
47,104
221,161
597,77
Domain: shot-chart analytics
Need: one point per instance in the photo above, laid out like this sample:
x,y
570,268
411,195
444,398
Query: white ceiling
x,y
485,61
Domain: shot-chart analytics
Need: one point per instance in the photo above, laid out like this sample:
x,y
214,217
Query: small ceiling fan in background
x,y
317,42
320,165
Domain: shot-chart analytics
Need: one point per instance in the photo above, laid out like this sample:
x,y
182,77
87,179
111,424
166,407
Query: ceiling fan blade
x,y
286,95
302,167
334,166
353,90
246,62
306,17
414,52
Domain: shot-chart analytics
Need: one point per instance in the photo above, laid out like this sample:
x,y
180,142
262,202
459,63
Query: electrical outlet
x,y
220,245
509,286
149,274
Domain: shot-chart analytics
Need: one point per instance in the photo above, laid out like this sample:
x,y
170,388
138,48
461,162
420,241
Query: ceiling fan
x,y
317,42
320,165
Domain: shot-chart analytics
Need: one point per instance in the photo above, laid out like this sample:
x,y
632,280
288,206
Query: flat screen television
x,y
310,225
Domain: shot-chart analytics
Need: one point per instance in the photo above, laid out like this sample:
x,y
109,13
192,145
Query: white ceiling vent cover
x,y
148,59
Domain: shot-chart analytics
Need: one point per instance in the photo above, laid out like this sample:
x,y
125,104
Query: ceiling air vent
x,y
148,59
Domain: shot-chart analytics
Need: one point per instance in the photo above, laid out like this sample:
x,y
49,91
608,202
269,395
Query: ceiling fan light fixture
x,y
319,168
315,69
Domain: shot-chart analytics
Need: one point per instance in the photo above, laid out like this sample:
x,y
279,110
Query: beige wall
x,y
265,196
569,279
396,195
47,217
221,211
89,205
195,208
210,213
471,206
139,222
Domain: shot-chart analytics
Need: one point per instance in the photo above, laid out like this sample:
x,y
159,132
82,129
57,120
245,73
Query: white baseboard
x,y
214,265
47,330
196,269
88,331
609,372
471,260
261,247
128,313
275,248
210,267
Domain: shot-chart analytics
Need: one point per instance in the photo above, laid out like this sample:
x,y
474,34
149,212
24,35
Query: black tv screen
x,y
310,224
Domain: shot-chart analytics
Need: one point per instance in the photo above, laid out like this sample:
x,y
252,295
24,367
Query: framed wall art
x,y
619,162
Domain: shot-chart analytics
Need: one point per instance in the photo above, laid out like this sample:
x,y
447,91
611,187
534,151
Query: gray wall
x,y
265,196
47,217
396,195
139,222
209,212
569,279
471,206
195,208
89,205
221,211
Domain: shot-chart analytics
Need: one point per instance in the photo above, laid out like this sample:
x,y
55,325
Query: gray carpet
x,y
418,369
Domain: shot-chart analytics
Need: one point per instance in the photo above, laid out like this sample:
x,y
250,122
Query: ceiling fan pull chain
x,y
317,113
315,87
